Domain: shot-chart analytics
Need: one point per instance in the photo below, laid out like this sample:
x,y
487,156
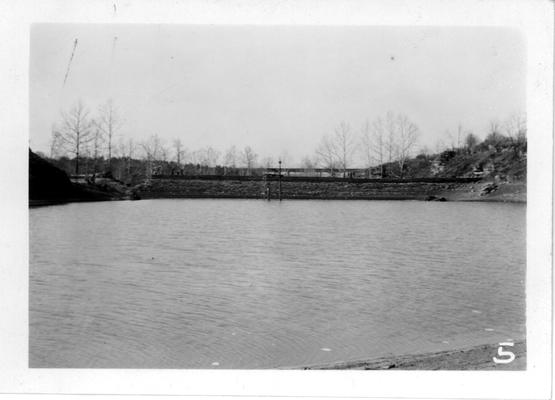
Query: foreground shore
x,y
470,358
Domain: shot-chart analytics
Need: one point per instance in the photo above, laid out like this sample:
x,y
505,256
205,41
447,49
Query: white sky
x,y
275,88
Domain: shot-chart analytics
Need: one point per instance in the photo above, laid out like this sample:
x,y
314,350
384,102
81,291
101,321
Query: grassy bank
x,y
470,358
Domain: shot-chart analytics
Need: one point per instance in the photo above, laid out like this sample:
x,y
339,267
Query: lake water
x,y
255,284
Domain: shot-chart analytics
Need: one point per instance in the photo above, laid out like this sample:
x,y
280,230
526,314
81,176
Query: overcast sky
x,y
275,88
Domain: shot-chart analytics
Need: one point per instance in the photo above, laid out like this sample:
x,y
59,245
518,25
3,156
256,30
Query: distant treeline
x,y
87,144
497,155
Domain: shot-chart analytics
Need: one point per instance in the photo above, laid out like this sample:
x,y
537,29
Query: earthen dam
x,y
288,187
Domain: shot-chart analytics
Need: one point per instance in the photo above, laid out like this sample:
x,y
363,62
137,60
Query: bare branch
x,y
75,131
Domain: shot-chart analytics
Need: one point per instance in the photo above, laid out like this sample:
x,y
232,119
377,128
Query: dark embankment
x,y
315,188
50,185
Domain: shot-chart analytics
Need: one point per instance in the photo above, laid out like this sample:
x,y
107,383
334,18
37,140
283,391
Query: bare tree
x,y
164,155
366,142
459,135
268,162
336,151
87,155
109,122
494,127
374,143
196,157
248,157
394,138
212,156
75,131
455,139
326,155
56,144
470,142
494,136
379,143
207,156
230,158
515,128
127,151
391,132
179,152
152,148
407,137
343,145
97,142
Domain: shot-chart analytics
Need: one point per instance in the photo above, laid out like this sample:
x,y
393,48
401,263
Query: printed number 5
x,y
504,353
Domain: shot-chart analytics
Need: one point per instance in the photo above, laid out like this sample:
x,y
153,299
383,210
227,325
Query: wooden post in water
x,y
267,187
279,179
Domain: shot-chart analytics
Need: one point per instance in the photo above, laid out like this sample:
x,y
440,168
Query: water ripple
x,y
252,284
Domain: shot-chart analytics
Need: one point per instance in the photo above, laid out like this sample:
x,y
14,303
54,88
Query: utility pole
x,y
279,179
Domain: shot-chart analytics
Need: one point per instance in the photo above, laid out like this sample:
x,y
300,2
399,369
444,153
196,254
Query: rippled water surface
x,y
254,284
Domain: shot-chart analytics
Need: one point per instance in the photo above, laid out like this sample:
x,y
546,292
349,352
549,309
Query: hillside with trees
x,y
500,155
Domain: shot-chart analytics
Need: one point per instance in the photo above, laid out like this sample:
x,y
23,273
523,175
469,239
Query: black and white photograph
x,y
249,196
239,153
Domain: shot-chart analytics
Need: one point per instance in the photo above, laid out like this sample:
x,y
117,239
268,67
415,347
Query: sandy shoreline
x,y
469,358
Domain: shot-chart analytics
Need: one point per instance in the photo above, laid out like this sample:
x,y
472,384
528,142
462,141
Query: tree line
x,y
92,143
